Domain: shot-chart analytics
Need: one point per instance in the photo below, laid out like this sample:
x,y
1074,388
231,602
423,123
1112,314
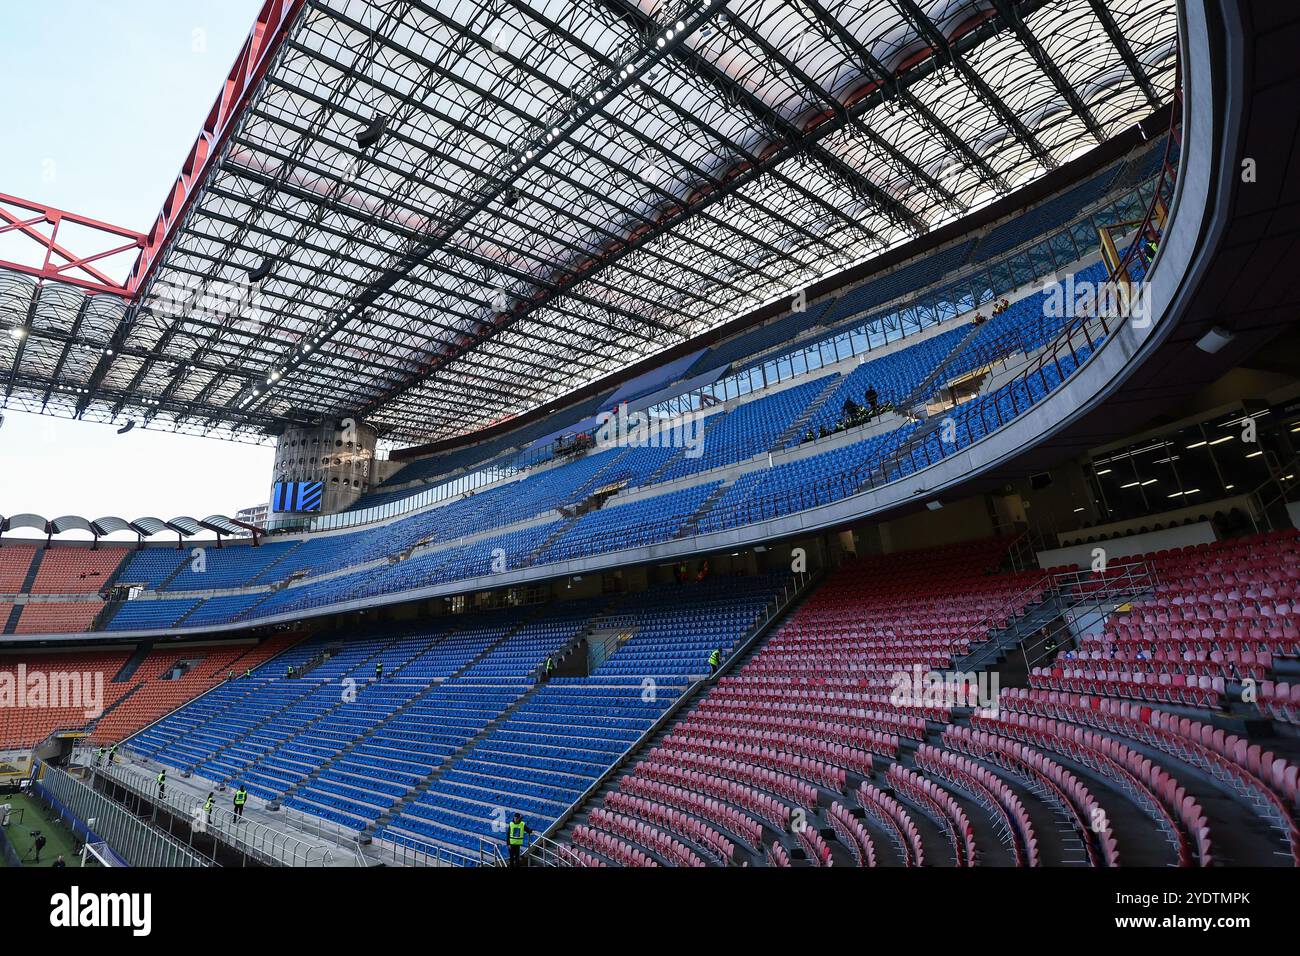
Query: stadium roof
x,y
440,215
183,525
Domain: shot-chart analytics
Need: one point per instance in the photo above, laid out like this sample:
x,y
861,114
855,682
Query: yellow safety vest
x,y
713,658
240,798
516,833
207,805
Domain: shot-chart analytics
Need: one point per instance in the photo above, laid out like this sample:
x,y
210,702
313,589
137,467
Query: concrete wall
x,y
1080,555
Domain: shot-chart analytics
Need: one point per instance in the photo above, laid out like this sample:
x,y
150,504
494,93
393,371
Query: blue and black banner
x,y
297,496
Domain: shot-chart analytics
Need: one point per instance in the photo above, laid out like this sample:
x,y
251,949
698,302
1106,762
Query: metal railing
x,y
254,840
1077,594
330,831
411,851
1088,328
543,851
87,812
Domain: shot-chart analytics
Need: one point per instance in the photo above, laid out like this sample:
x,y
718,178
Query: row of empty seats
x,y
821,750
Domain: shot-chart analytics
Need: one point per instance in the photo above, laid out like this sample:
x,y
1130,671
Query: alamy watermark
x,y
923,687
619,428
43,690
1081,298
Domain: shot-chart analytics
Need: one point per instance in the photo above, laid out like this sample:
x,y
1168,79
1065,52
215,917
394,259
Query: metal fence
x,y
89,813
261,843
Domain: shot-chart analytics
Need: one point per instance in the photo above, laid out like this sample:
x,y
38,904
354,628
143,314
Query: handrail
x,y
1060,585
543,851
140,842
1136,578
986,624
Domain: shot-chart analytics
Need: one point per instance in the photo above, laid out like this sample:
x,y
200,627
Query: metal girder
x,y
555,194
927,28
40,225
1125,51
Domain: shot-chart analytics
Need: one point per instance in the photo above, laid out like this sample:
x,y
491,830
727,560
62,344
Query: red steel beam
x,y
59,262
254,58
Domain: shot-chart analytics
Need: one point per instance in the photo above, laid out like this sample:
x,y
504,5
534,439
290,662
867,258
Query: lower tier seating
x,y
820,750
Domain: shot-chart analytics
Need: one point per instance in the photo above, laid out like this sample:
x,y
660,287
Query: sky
x,y
101,103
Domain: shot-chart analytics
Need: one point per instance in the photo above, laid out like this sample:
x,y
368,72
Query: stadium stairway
x,y
188,614
917,439
32,570
172,575
709,423
126,695
692,523
371,732
111,581
561,831
105,615
452,759
304,726
926,386
793,433
11,621
560,528
556,745
262,599
142,650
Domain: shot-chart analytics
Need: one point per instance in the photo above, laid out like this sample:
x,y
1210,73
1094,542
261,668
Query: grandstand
x,y
723,472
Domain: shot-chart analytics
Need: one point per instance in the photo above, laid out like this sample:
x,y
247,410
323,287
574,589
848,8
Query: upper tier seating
x,y
909,278
807,483
741,433
76,570
1043,218
739,436
150,567
1025,325
746,430
893,376
228,567
616,527
15,561
432,469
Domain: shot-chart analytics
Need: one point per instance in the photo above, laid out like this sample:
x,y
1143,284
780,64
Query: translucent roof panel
x,y
440,215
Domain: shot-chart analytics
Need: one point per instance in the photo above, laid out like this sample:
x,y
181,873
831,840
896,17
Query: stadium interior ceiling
x,y
440,216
